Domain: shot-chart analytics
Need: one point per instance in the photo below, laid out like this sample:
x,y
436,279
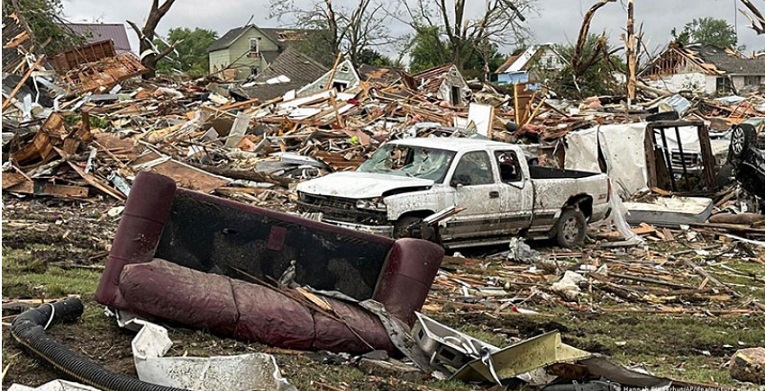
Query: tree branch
x,y
584,31
756,18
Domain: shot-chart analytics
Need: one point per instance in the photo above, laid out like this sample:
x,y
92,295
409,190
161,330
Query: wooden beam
x,y
21,82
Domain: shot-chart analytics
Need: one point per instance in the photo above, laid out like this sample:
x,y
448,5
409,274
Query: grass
x,y
686,347
26,277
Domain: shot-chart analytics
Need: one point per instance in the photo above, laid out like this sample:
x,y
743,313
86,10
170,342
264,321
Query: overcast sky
x,y
556,21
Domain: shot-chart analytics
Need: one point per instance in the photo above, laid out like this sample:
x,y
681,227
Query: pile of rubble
x,y
80,125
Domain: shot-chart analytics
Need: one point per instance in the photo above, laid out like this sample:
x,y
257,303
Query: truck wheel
x,y
570,228
417,230
742,137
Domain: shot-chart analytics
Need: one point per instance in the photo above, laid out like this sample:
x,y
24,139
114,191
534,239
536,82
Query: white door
x,y
476,190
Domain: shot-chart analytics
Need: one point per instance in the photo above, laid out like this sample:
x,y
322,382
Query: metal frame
x,y
657,171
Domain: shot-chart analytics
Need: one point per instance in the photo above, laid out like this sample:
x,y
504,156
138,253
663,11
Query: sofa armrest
x,y
146,212
407,276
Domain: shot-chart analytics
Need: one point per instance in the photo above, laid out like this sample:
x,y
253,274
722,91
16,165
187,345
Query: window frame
x,y
492,178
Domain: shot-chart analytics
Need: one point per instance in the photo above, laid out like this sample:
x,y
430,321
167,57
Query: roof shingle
x,y
95,32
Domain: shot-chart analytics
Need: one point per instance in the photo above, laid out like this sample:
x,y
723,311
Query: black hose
x,y
29,330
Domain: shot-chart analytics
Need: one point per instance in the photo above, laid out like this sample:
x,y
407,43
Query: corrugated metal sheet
x,y
98,32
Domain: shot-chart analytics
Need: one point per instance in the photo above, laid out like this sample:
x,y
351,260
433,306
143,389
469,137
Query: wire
x,y
52,315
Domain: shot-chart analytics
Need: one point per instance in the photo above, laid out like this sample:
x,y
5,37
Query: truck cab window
x,y
473,169
509,168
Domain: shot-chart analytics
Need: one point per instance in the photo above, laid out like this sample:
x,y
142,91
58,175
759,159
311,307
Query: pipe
x,y
29,330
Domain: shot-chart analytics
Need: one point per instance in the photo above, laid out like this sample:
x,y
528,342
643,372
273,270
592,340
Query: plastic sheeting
x,y
623,149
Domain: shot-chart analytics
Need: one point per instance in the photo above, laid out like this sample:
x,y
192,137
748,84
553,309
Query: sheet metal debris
x,y
244,372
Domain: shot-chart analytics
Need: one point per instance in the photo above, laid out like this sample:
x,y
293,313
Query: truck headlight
x,y
372,204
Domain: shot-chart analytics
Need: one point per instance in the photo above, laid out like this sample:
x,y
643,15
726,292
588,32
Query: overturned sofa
x,y
194,259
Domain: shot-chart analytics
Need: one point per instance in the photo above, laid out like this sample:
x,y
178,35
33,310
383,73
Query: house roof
x,y
285,36
727,61
270,56
510,60
95,32
281,36
295,65
228,39
383,75
523,60
265,92
711,60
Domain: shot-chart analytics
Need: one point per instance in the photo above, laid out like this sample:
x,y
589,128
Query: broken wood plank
x,y
11,179
95,182
42,188
21,82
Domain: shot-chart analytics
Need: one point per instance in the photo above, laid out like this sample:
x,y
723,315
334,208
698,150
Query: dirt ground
x,y
52,249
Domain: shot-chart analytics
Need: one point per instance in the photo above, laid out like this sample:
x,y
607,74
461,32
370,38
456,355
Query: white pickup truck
x,y
406,181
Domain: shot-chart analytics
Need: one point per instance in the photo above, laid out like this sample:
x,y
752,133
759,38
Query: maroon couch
x,y
189,257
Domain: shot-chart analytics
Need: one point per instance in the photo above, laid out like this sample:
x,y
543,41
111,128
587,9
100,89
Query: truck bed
x,y
540,172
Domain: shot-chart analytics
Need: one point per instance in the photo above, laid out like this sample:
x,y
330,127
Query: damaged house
x,y
445,83
246,51
292,70
705,69
529,65
99,32
343,77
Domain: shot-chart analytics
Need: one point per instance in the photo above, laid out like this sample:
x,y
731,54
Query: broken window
x,y
473,169
509,168
455,97
724,85
254,71
254,50
340,86
415,162
752,80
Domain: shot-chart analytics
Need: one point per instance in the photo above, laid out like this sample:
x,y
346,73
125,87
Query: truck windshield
x,y
415,162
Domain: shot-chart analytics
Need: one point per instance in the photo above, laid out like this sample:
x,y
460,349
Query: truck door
x,y
516,192
476,190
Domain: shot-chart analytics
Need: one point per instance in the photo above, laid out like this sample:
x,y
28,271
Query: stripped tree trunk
x,y
146,37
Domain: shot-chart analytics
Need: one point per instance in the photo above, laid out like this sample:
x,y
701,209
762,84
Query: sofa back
x,y
216,235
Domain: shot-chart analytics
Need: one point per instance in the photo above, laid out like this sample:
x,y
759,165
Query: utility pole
x,y
631,42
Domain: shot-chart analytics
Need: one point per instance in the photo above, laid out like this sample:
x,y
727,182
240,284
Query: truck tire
x,y
742,137
417,231
570,228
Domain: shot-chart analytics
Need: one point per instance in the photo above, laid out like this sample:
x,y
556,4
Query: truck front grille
x,y
324,202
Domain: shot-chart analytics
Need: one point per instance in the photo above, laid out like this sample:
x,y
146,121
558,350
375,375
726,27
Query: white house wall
x,y
711,84
696,82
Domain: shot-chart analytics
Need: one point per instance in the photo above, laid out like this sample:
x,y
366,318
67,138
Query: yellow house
x,y
246,51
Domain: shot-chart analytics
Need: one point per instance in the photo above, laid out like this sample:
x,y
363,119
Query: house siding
x,y
239,49
741,81
219,59
350,77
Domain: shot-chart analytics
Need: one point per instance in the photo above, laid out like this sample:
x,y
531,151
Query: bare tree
x,y
496,21
146,37
347,30
756,18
